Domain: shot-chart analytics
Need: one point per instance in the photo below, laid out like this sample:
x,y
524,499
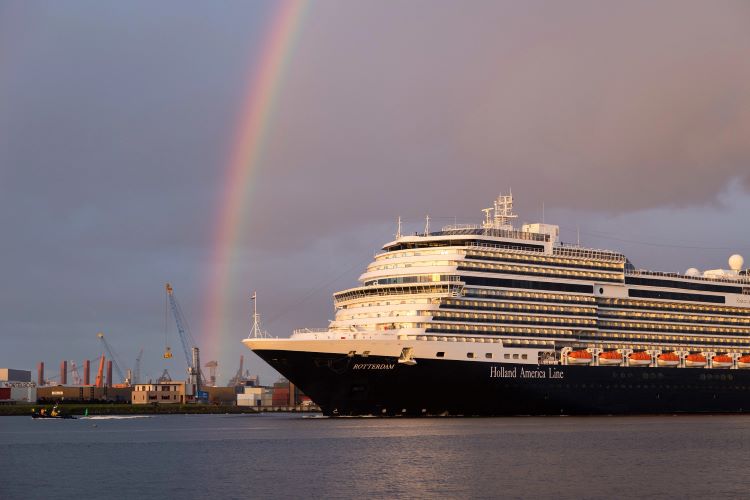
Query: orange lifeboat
x,y
743,362
668,359
579,358
639,359
610,358
721,361
695,360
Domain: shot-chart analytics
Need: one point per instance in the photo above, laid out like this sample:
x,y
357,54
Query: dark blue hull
x,y
343,385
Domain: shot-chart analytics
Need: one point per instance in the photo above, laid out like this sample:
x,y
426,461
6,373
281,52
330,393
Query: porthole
x,y
441,354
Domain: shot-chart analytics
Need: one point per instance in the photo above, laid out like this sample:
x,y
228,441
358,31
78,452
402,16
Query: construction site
x,y
114,381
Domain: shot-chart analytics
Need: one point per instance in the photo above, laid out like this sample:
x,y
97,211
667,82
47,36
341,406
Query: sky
x,y
629,122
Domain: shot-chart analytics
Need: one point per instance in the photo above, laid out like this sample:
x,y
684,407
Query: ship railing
x,y
725,279
460,227
588,253
454,287
310,330
497,246
493,232
558,251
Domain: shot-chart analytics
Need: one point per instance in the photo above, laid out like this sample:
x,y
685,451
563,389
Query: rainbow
x,y
245,158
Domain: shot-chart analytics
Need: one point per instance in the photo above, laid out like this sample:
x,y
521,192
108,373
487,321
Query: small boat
x,y
610,358
580,358
640,358
668,359
54,413
695,360
721,361
743,362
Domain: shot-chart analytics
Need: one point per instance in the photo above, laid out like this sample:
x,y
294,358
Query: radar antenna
x,y
502,213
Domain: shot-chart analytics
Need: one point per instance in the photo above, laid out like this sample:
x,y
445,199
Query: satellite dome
x,y
693,272
736,262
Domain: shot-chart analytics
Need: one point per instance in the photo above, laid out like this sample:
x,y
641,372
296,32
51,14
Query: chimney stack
x,y
87,372
40,374
109,373
64,373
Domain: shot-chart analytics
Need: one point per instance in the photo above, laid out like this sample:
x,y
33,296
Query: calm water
x,y
261,456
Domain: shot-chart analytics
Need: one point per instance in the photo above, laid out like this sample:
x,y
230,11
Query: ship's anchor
x,y
407,357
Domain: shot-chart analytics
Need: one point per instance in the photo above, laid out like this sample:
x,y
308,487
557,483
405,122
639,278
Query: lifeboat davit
x,y
579,358
743,362
721,361
695,360
610,358
639,359
668,359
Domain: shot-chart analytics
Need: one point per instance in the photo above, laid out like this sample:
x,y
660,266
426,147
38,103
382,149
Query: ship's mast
x,y
256,332
500,215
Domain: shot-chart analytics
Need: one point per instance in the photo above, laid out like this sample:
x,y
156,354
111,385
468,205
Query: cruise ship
x,y
492,319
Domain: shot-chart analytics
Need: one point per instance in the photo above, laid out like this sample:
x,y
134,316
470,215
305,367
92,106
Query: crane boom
x,y
182,329
100,373
137,375
186,339
112,356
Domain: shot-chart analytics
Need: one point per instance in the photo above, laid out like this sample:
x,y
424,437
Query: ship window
x,y
515,356
488,355
469,354
525,356
507,356
441,354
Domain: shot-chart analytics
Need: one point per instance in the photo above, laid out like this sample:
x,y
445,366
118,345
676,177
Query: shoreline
x,y
79,409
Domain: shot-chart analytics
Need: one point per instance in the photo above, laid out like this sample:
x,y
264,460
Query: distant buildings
x,y
283,394
252,396
83,394
16,386
163,393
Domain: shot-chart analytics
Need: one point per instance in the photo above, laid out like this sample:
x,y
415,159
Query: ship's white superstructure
x,y
492,293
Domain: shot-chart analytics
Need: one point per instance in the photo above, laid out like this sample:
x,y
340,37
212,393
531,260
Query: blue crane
x,y
192,356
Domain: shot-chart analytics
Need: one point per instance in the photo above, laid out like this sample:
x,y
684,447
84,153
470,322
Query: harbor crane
x,y
239,376
192,353
100,373
74,372
114,358
137,374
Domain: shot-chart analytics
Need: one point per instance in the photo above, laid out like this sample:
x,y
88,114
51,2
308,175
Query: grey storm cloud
x,y
594,105
117,119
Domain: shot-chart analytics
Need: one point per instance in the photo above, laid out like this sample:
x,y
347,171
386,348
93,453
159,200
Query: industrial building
x,y
253,396
83,394
16,386
287,394
163,393
221,395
